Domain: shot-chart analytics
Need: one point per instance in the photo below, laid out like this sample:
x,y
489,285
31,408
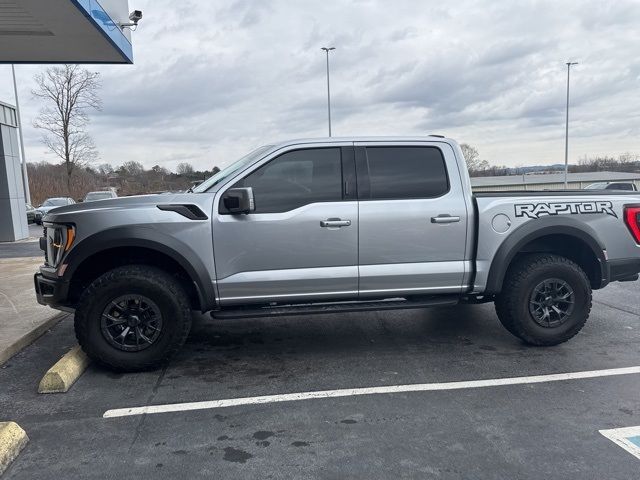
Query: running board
x,y
326,308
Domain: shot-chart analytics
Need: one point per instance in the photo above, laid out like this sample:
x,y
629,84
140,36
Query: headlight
x,y
59,240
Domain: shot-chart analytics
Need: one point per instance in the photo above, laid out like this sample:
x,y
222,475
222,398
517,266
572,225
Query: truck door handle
x,y
445,219
335,222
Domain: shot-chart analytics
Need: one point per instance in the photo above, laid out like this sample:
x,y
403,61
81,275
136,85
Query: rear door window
x,y
404,172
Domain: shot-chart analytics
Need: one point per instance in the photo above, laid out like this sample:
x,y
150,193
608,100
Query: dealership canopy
x,y
64,31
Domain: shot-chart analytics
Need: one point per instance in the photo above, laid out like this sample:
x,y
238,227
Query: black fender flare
x,y
152,239
541,227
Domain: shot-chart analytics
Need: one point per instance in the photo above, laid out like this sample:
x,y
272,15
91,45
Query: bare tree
x,y
472,157
105,169
628,157
131,168
69,93
184,168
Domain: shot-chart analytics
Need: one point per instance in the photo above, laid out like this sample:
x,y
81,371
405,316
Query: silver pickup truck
x,y
332,225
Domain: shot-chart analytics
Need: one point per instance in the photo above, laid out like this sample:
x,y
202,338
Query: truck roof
x,y
384,139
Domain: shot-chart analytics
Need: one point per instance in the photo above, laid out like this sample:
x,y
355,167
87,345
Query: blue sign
x,y
105,24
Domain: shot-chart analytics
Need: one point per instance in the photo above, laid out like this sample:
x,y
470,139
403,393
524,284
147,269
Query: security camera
x,y
135,17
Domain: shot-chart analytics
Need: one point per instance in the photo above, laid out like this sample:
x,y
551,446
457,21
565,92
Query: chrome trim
x,y
292,295
417,289
335,222
445,219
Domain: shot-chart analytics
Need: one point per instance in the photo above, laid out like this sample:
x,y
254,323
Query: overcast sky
x,y
212,80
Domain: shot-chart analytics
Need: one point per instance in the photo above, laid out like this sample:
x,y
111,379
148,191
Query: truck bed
x,y
553,193
507,218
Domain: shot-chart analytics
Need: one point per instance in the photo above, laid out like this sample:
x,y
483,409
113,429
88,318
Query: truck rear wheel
x,y
133,318
545,299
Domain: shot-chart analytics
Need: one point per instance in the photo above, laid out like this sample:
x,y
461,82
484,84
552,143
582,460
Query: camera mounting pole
x,y
135,17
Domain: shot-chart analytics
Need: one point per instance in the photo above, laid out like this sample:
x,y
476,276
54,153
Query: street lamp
x,y
327,50
566,133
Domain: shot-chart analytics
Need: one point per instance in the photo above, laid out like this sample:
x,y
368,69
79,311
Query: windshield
x,y
55,202
231,169
596,186
97,196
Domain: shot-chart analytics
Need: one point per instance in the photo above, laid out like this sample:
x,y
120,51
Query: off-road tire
x,y
512,304
155,284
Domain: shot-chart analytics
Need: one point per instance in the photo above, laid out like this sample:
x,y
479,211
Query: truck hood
x,y
70,212
47,209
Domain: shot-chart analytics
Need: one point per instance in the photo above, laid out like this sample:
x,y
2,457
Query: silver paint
x,y
501,223
389,248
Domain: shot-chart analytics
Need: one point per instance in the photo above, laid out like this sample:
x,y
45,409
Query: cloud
x,y
214,80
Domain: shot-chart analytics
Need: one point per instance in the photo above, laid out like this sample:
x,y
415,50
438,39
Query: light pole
x,y
25,177
566,131
327,50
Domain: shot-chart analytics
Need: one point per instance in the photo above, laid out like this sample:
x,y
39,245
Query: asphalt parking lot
x,y
539,430
24,248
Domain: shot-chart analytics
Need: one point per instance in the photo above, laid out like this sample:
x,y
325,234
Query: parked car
x,y
100,195
31,213
332,225
626,186
49,204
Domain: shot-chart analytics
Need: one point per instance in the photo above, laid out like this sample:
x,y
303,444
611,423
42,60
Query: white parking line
x,y
628,438
350,392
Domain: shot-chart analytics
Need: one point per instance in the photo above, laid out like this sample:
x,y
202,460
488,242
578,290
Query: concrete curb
x,y
12,440
65,372
28,338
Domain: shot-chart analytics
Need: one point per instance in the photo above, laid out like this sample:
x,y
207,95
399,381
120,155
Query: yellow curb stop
x,y
12,440
65,372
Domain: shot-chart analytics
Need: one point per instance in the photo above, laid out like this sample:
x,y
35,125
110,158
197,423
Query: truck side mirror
x,y
239,200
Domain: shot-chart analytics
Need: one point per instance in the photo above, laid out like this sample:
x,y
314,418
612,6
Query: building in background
x,y
552,181
12,227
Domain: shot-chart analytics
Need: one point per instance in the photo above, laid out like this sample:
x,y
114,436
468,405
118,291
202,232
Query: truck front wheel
x,y
133,318
545,299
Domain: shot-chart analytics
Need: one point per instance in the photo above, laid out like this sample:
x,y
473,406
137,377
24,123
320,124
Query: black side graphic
x,y
537,210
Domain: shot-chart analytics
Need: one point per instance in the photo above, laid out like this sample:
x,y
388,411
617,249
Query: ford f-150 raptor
x,y
332,225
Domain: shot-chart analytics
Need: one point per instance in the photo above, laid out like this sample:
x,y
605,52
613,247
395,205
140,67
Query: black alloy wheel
x,y
551,302
131,322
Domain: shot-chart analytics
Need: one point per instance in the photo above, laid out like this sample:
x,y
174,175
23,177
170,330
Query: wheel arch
x,y
139,245
558,234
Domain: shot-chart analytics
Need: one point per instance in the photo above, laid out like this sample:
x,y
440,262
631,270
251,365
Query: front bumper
x,y
51,291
